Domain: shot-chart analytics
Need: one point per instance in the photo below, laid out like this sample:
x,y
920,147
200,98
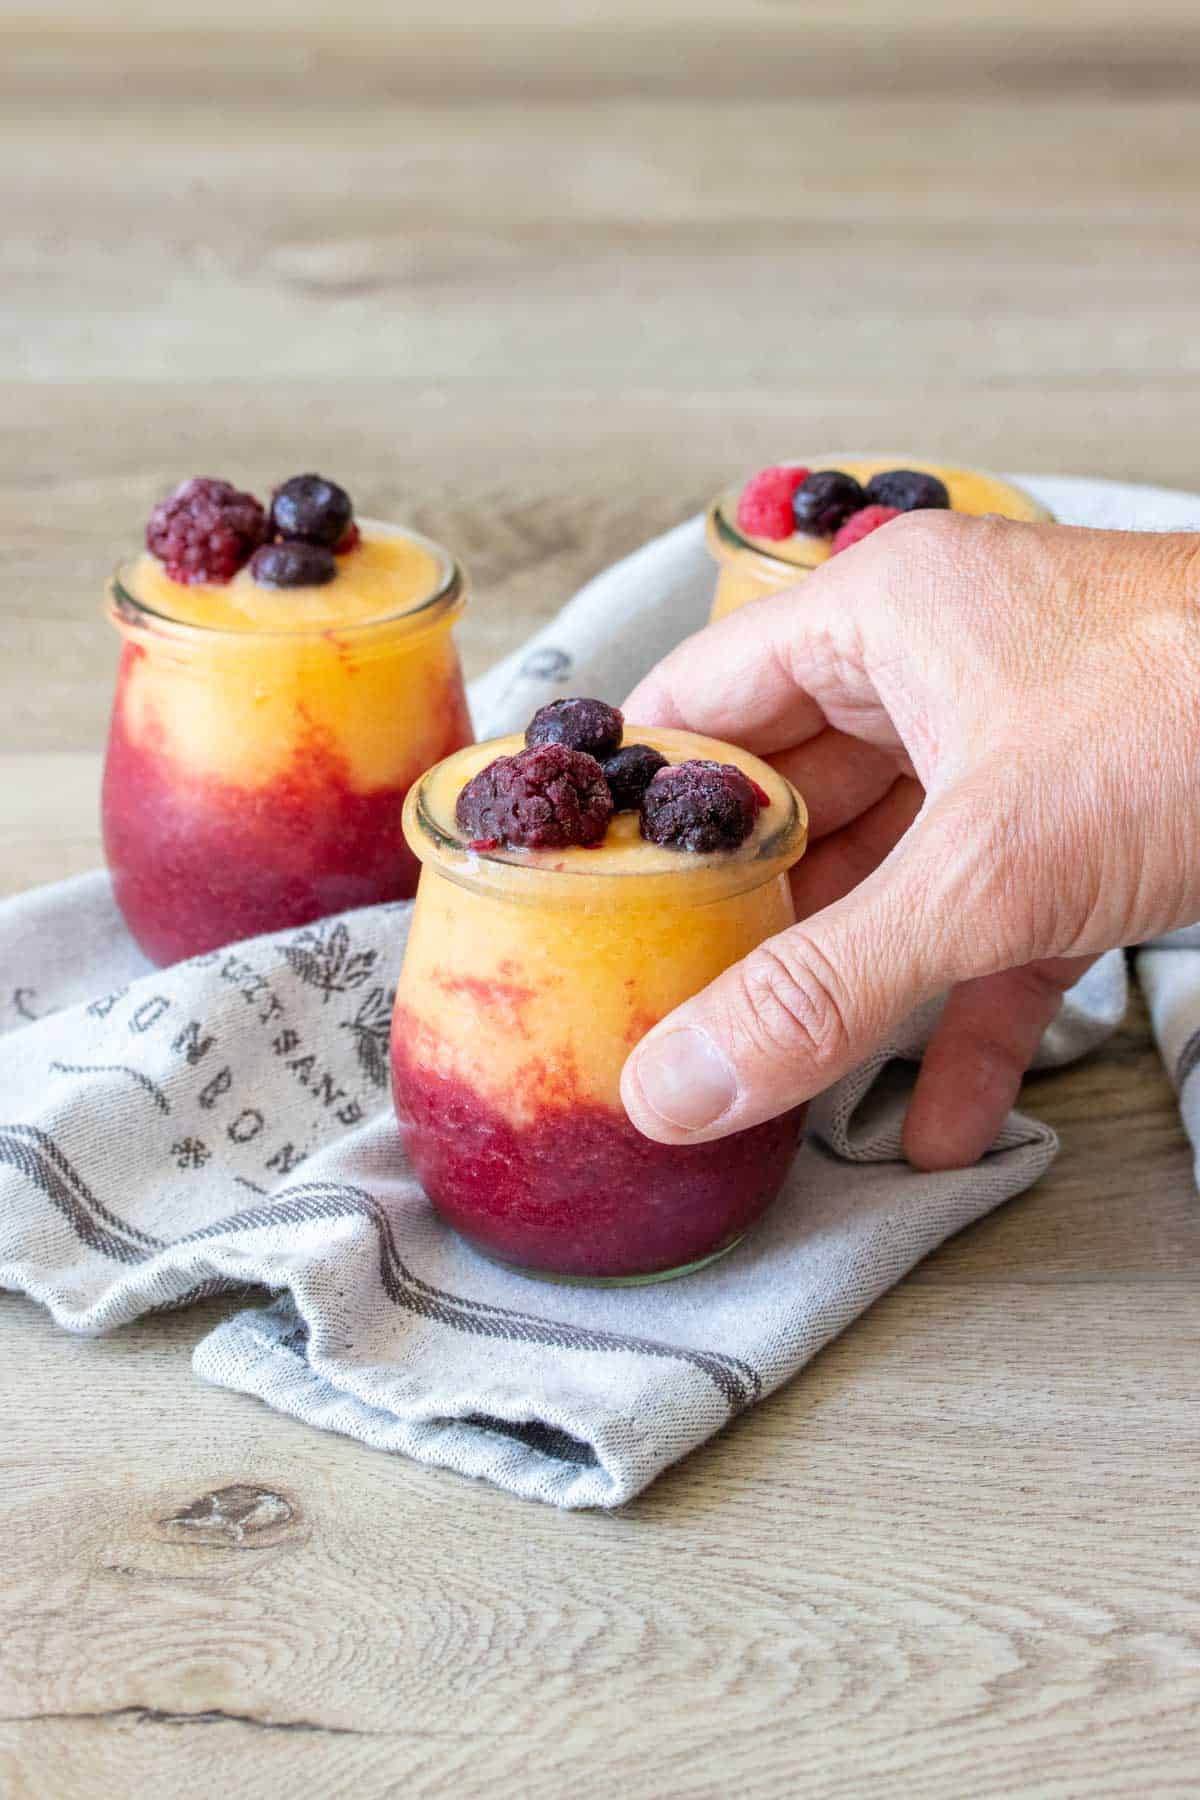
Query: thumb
x,y
809,1004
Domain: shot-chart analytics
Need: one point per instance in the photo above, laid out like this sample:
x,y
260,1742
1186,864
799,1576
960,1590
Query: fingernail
x,y
685,1079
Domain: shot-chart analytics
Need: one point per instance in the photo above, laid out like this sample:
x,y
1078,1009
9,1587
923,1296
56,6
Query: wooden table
x,y
540,278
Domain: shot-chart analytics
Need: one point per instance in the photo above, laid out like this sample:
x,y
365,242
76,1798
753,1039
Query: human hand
x,y
996,727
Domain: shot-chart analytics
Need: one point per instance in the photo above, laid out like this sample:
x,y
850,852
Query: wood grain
x,y
540,279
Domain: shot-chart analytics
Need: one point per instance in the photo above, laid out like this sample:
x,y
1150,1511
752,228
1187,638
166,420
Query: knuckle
x,y
793,1005
929,537
997,1056
1042,985
928,550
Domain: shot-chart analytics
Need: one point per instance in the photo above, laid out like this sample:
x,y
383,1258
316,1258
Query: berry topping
x,y
699,806
587,725
824,500
349,540
861,524
908,490
293,566
313,510
206,531
765,506
629,773
543,798
760,794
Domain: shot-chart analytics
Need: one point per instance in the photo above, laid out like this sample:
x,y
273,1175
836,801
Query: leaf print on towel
x,y
371,1026
323,957
190,1153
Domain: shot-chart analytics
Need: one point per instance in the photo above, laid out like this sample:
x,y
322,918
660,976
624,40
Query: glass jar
x,y
263,741
527,980
750,567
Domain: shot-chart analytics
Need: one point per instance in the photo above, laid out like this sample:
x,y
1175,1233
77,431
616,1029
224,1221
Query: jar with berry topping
x,y
276,698
532,969
786,520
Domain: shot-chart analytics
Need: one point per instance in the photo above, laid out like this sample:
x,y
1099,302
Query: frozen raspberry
x,y
543,798
908,490
825,500
293,566
312,509
587,725
699,806
206,530
861,524
629,773
765,506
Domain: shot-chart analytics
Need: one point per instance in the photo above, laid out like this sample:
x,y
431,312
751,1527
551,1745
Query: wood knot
x,y
239,1517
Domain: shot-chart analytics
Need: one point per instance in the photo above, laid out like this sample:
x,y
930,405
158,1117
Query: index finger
x,y
773,674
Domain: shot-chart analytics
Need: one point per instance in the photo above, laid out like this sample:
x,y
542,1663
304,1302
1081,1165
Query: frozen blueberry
x,y
313,510
292,565
908,490
629,773
825,500
699,806
543,798
587,725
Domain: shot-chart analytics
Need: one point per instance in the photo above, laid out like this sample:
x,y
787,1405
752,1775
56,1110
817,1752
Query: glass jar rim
x,y
726,541
513,875
445,600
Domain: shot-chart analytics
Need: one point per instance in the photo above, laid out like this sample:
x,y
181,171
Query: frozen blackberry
x,y
313,510
293,566
587,725
908,490
544,798
206,531
699,806
629,773
825,500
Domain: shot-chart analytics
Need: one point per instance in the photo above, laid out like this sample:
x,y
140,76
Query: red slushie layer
x,y
198,862
581,1193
